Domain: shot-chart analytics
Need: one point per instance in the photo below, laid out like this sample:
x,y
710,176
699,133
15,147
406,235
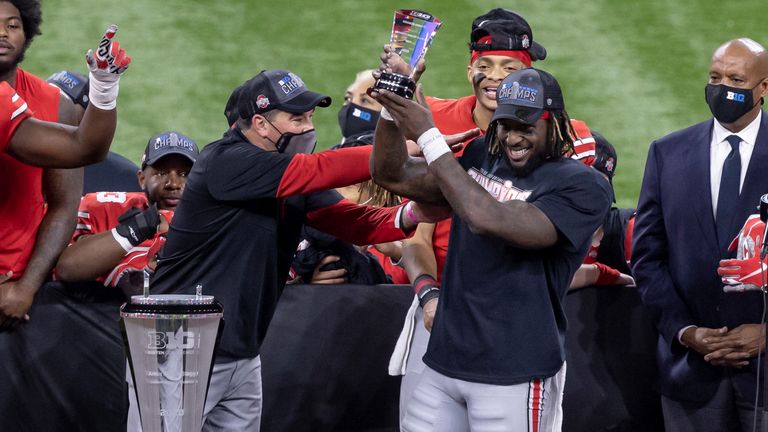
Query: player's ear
x,y
142,179
260,124
763,87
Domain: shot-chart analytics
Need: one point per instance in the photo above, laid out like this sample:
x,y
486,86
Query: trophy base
x,y
396,83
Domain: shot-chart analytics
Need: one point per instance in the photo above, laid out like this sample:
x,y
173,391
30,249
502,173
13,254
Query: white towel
x,y
399,357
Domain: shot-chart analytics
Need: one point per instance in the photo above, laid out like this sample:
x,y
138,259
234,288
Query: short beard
x,y
530,165
6,68
150,199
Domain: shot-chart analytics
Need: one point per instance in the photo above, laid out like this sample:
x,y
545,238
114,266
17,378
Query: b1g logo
x,y
419,14
738,97
362,114
172,340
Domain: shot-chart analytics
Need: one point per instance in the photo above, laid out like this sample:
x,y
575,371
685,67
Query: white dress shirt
x,y
719,149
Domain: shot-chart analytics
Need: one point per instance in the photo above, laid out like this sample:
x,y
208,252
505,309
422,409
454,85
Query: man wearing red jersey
x,y
37,211
50,145
118,232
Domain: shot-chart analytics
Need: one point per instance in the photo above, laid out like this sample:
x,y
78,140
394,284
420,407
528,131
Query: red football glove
x,y
608,275
106,65
131,268
109,58
746,272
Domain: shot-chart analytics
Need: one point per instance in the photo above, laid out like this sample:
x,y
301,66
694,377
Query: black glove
x,y
137,226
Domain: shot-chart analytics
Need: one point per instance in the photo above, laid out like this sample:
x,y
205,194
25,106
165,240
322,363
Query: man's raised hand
x,y
106,65
391,62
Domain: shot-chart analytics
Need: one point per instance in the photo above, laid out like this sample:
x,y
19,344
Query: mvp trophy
x,y
171,341
412,34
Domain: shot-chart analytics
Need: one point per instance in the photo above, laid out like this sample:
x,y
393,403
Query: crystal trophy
x,y
171,341
412,34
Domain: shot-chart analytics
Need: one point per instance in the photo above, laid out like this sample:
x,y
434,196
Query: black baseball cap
x,y
166,143
73,85
277,89
605,156
526,94
507,31
230,111
605,160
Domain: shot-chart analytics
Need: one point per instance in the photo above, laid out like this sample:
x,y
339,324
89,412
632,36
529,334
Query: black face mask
x,y
295,143
728,104
354,119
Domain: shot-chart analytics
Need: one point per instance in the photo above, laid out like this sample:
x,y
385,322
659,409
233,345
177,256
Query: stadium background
x,y
633,70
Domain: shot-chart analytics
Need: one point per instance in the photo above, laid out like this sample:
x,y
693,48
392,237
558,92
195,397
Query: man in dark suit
x,y
700,184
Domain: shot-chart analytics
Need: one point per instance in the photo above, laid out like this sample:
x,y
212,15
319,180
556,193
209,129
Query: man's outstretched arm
x,y
393,169
54,145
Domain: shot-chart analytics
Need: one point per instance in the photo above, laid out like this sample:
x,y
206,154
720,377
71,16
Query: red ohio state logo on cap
x,y
262,101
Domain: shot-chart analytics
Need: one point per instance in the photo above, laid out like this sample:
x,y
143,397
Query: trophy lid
x,y
171,306
172,299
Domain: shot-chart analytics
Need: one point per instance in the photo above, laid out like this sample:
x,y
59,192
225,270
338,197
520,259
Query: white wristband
x,y
399,216
103,90
386,115
124,243
432,145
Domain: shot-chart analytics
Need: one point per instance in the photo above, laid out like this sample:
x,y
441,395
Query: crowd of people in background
x,y
493,206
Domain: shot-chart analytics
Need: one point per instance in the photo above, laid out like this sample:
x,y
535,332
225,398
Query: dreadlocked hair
x,y
560,136
378,196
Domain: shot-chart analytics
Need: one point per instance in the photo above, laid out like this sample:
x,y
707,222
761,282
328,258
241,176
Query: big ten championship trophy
x,y
171,341
412,34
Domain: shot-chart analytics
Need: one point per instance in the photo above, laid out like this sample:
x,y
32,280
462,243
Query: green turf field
x,y
633,70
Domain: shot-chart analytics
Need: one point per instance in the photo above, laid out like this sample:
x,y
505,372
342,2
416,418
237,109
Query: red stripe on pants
x,y
536,406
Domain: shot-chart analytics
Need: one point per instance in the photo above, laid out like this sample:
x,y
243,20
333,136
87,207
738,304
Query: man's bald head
x,y
743,43
744,52
739,67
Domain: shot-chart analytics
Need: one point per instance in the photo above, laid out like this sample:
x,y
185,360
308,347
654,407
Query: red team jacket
x,y
22,205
